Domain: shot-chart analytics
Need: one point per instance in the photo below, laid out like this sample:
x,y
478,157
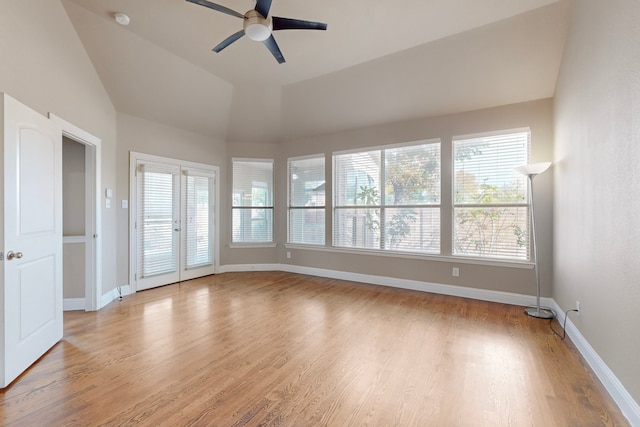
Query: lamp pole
x,y
531,171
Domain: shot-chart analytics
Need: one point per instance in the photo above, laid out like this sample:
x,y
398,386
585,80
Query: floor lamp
x,y
531,171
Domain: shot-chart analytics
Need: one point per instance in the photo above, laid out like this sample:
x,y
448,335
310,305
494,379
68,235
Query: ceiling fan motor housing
x,y
256,26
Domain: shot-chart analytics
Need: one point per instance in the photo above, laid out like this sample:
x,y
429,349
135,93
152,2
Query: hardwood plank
x,y
248,349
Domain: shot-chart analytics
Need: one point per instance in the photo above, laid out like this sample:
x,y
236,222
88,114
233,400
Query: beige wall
x,y
73,267
144,136
433,79
44,65
537,115
597,210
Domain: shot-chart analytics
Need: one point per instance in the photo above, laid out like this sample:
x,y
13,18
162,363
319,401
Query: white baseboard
x,y
114,294
436,288
73,304
626,403
250,267
629,407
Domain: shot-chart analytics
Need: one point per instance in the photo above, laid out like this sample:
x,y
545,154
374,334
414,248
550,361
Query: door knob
x,y
11,255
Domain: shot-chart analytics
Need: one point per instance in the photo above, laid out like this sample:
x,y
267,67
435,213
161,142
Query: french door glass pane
x,y
157,220
197,221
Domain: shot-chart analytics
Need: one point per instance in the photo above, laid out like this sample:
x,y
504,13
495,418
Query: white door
x,y
32,238
157,224
197,223
174,223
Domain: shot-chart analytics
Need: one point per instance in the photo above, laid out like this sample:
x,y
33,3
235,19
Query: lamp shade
x,y
533,168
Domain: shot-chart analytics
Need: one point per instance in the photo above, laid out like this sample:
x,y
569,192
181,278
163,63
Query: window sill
x,y
252,245
412,255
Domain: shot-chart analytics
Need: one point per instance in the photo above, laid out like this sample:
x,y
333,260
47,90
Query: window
x,y
252,205
307,201
491,209
388,199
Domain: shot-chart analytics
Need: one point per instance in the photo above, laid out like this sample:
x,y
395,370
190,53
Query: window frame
x,y
383,204
526,203
291,207
269,203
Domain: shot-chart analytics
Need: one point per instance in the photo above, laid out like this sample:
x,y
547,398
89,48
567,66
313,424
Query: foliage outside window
x,y
388,199
306,201
252,204
491,208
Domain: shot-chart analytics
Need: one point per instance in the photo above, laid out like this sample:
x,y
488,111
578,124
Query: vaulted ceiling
x,y
377,62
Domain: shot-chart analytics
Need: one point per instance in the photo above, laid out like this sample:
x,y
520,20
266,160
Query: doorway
x,y
173,227
81,217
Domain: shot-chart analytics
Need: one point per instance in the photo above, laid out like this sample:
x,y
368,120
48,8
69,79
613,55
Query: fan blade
x,y
296,24
262,7
271,44
226,42
217,7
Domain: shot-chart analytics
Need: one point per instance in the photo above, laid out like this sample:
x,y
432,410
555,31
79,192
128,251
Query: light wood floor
x,y
283,349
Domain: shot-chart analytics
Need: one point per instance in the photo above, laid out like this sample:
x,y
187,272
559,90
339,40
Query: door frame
x,y
134,157
93,209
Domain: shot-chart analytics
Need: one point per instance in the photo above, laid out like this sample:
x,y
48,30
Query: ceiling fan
x,y
258,25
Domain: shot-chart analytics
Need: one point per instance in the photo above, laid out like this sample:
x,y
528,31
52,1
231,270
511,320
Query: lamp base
x,y
540,312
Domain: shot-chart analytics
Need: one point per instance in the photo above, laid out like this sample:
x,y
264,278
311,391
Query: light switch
x,y
125,204
108,193
107,204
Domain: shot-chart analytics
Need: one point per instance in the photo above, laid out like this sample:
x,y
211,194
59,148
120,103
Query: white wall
x,y
597,173
44,65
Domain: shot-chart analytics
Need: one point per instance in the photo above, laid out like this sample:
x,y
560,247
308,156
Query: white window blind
x,y
252,205
198,219
388,199
157,219
491,210
307,201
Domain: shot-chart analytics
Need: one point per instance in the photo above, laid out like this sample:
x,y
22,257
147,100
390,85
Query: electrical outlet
x,y
578,307
288,254
455,272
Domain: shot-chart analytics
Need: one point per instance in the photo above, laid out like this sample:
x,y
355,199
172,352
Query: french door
x,y
174,224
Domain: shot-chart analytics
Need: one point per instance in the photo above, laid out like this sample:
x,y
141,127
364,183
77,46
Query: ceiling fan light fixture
x,y
256,27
